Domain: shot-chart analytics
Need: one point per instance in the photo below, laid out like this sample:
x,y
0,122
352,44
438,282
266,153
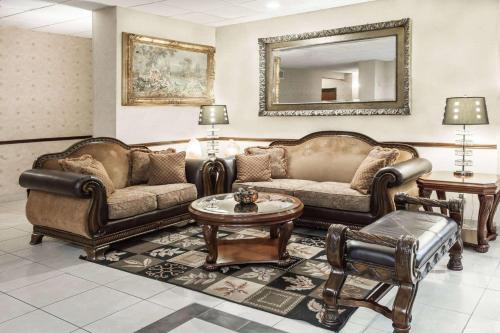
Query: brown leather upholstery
x,y
431,230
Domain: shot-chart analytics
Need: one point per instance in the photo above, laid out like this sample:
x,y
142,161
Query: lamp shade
x,y
213,115
465,111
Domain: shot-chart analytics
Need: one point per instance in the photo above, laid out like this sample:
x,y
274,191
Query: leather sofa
x,y
74,207
320,168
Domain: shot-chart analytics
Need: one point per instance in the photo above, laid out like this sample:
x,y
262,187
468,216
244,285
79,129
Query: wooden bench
x,y
398,250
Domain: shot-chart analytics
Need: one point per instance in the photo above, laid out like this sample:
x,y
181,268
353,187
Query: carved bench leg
x,y
401,312
36,238
331,294
94,253
455,262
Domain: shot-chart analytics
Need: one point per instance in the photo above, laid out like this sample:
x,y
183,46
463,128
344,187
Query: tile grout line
x,y
475,307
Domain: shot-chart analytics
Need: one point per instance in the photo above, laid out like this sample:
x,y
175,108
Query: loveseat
x,y
75,207
320,167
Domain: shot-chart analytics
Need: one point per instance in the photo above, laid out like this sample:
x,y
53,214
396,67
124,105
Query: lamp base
x,y
463,173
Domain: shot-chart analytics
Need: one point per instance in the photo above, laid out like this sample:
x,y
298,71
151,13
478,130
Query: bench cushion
x,y
282,186
431,229
333,195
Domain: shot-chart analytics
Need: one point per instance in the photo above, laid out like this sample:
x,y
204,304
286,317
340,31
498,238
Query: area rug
x,y
176,255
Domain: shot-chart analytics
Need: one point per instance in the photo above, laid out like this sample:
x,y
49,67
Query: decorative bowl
x,y
246,196
246,208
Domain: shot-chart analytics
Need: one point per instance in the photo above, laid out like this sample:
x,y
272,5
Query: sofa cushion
x,y
139,159
167,168
126,202
171,194
283,186
278,159
87,165
364,176
333,195
253,168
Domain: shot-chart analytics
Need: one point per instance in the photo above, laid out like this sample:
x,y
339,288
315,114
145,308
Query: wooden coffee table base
x,y
222,252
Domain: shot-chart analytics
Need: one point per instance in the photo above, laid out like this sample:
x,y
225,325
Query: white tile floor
x,y
46,288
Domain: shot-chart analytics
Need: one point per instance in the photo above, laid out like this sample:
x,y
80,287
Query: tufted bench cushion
x,y
432,231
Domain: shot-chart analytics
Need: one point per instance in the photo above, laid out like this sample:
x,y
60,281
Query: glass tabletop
x,y
225,204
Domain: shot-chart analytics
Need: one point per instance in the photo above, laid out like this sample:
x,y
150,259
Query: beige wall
x,y
45,91
445,62
135,124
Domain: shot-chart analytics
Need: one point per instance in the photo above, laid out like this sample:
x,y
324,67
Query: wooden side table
x,y
487,188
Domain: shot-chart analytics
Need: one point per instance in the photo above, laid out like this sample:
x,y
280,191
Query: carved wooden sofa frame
x,y
405,275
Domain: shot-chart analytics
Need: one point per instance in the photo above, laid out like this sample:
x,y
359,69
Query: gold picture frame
x,y
157,71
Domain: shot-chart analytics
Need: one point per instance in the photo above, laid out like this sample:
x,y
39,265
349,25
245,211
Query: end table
x,y
487,188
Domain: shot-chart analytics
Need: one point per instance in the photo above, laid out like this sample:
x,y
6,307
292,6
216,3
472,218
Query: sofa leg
x,y
331,294
401,312
94,253
455,262
36,238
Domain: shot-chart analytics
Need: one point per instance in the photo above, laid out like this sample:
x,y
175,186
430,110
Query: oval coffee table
x,y
276,211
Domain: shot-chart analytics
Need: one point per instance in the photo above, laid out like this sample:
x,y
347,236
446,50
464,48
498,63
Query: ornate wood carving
x,y
210,235
405,274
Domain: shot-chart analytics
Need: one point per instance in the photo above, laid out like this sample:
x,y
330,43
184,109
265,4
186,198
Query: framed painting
x,y
158,71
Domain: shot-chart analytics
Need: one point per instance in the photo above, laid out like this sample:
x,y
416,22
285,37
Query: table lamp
x,y
465,111
213,115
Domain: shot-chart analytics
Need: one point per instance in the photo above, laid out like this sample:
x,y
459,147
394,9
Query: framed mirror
x,y
358,70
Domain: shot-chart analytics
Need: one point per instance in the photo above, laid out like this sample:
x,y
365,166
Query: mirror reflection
x,y
341,72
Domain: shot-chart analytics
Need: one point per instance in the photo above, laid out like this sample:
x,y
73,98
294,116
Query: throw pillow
x,y
278,159
363,178
388,154
139,159
253,168
87,165
167,168
377,159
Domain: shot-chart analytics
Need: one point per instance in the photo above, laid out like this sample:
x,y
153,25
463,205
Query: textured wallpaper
x,y
45,91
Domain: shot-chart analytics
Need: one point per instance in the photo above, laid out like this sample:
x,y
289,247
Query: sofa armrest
x,y
60,182
405,171
194,174
400,177
229,164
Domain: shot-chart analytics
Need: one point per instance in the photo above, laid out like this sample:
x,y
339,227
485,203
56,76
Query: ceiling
x,y
74,17
339,55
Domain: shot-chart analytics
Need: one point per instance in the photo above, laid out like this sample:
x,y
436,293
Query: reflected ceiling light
x,y
273,4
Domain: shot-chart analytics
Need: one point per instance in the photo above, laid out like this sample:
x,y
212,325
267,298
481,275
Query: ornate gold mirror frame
x,y
269,87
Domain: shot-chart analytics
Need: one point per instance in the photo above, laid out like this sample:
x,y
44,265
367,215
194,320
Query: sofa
x,y
74,207
320,167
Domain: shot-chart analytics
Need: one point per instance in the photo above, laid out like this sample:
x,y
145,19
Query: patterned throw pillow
x,y
278,159
390,155
167,168
87,165
253,168
377,159
139,159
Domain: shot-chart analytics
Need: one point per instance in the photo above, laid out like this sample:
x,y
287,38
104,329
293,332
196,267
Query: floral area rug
x,y
176,255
